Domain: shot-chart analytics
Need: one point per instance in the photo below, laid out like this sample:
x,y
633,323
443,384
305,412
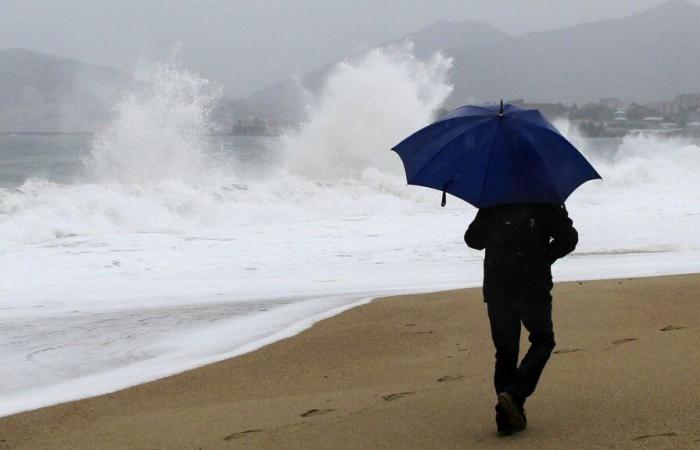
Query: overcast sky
x,y
248,44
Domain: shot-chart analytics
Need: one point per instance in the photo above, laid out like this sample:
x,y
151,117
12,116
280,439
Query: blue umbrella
x,y
491,155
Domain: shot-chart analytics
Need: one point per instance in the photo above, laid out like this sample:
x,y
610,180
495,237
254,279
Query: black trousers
x,y
506,311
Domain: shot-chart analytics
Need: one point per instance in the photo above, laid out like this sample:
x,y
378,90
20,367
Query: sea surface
x,y
153,247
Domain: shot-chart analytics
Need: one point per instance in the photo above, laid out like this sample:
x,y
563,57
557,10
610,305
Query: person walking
x,y
519,170
522,241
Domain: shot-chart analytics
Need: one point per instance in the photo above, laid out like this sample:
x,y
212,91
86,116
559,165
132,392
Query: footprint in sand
x,y
240,434
315,412
647,436
568,350
449,378
671,328
623,341
396,396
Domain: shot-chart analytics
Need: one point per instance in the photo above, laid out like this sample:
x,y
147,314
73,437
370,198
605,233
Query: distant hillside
x,y
445,36
40,92
646,56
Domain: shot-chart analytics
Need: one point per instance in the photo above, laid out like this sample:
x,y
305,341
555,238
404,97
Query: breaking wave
x,y
363,110
154,169
160,130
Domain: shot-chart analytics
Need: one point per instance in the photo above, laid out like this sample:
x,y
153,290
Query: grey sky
x,y
248,44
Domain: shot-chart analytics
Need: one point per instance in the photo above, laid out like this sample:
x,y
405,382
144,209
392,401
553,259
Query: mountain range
x,y
651,55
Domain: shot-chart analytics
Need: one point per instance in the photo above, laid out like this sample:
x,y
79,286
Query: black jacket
x,y
522,242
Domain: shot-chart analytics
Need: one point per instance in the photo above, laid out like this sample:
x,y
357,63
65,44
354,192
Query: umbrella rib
x,y
559,135
537,152
447,119
443,122
485,112
437,153
488,164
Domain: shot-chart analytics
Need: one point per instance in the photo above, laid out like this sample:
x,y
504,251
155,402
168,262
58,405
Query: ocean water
x,y
153,247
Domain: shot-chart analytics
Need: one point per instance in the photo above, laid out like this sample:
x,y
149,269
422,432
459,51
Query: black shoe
x,y
513,411
502,424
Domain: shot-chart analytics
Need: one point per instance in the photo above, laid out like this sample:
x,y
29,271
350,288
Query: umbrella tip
x,y
500,113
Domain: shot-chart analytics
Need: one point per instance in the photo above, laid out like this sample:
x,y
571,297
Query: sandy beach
x,y
415,372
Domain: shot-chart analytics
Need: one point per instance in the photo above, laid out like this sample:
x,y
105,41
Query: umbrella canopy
x,y
491,155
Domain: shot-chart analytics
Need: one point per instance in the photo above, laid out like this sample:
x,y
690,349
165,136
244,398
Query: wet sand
x,y
415,372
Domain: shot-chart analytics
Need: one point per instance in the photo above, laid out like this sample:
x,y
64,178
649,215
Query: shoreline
x,y
123,378
152,369
415,370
